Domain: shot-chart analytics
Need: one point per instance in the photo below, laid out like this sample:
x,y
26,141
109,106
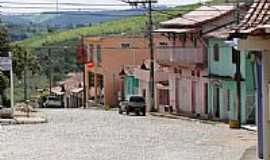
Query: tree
x,y
4,42
3,86
21,59
4,50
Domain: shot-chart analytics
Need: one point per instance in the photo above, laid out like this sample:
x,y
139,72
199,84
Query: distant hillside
x,y
70,18
129,25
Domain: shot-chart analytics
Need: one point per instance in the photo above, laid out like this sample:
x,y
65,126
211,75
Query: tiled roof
x,y
258,16
199,16
223,32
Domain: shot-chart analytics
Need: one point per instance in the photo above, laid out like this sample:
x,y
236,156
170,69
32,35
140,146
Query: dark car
x,y
135,104
53,102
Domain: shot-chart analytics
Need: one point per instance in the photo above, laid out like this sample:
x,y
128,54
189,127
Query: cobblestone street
x,y
105,135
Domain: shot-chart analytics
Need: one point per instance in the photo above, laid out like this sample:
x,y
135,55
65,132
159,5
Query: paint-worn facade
x,y
222,89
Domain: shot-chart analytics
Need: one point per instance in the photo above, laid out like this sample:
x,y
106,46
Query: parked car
x,y
134,104
53,102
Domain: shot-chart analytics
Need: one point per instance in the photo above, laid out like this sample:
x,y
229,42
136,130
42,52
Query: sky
x,y
20,8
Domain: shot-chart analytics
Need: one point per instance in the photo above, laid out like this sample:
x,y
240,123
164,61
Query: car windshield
x,y
52,98
136,99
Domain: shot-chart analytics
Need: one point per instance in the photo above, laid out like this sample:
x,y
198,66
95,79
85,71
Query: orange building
x,y
107,56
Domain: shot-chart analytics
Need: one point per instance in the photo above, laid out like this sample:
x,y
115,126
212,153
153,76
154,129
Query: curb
x,y
185,118
250,154
24,120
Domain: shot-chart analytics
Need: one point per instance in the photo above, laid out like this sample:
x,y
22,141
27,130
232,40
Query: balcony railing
x,y
180,55
145,75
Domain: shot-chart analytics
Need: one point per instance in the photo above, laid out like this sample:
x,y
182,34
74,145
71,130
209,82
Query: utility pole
x,y
151,46
50,69
83,68
238,76
25,76
11,83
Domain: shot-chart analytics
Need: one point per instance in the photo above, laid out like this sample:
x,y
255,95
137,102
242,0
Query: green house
x,y
222,86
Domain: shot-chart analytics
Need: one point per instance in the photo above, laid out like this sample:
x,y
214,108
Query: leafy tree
x,y
3,86
21,59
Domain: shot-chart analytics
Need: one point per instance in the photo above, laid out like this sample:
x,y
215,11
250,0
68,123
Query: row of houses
x,y
195,67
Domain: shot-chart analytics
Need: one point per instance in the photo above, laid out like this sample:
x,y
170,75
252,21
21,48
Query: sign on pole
x,y
5,63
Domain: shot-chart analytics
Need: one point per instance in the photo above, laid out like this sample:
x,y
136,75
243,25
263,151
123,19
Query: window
x,y
198,73
125,45
216,52
98,53
90,52
193,73
163,44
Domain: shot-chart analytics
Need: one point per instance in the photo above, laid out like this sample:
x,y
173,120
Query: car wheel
x,y
144,112
127,110
120,111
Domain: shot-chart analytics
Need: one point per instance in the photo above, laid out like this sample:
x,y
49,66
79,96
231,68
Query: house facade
x,y
107,55
222,88
253,36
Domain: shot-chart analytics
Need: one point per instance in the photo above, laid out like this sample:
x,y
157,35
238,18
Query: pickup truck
x,y
134,104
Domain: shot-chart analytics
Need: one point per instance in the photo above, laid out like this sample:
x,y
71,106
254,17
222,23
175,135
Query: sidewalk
x,y
186,118
250,154
22,118
252,128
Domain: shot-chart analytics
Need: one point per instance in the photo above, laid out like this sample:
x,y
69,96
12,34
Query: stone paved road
x,y
100,135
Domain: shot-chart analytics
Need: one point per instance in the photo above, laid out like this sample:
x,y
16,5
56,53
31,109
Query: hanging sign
x,y
5,63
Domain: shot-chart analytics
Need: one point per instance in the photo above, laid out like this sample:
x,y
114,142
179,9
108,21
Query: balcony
x,y
144,75
180,55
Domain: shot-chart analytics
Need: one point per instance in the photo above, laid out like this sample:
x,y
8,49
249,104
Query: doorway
x,y
216,102
194,98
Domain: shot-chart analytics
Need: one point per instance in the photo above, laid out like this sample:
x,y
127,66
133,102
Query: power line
x,y
66,4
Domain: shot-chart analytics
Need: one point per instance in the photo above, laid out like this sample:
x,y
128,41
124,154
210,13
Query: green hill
x,y
130,25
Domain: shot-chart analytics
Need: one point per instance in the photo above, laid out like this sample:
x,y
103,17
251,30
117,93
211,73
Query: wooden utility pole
x,y
25,79
83,68
50,69
238,68
151,46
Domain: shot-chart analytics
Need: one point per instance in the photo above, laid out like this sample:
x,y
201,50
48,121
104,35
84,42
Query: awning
x,y
58,93
163,86
174,30
77,90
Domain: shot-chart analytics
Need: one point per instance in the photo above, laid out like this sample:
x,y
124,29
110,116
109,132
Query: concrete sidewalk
x,y
22,118
250,154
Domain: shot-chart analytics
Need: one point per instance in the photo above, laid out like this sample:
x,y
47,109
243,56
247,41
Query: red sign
x,y
81,55
90,65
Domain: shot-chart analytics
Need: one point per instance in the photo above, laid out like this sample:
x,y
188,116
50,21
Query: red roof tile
x,y
258,15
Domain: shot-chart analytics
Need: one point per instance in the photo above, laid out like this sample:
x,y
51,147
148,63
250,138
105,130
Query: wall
x,y
113,58
262,44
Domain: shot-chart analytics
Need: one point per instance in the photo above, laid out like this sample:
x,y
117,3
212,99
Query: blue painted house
x,y
222,86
